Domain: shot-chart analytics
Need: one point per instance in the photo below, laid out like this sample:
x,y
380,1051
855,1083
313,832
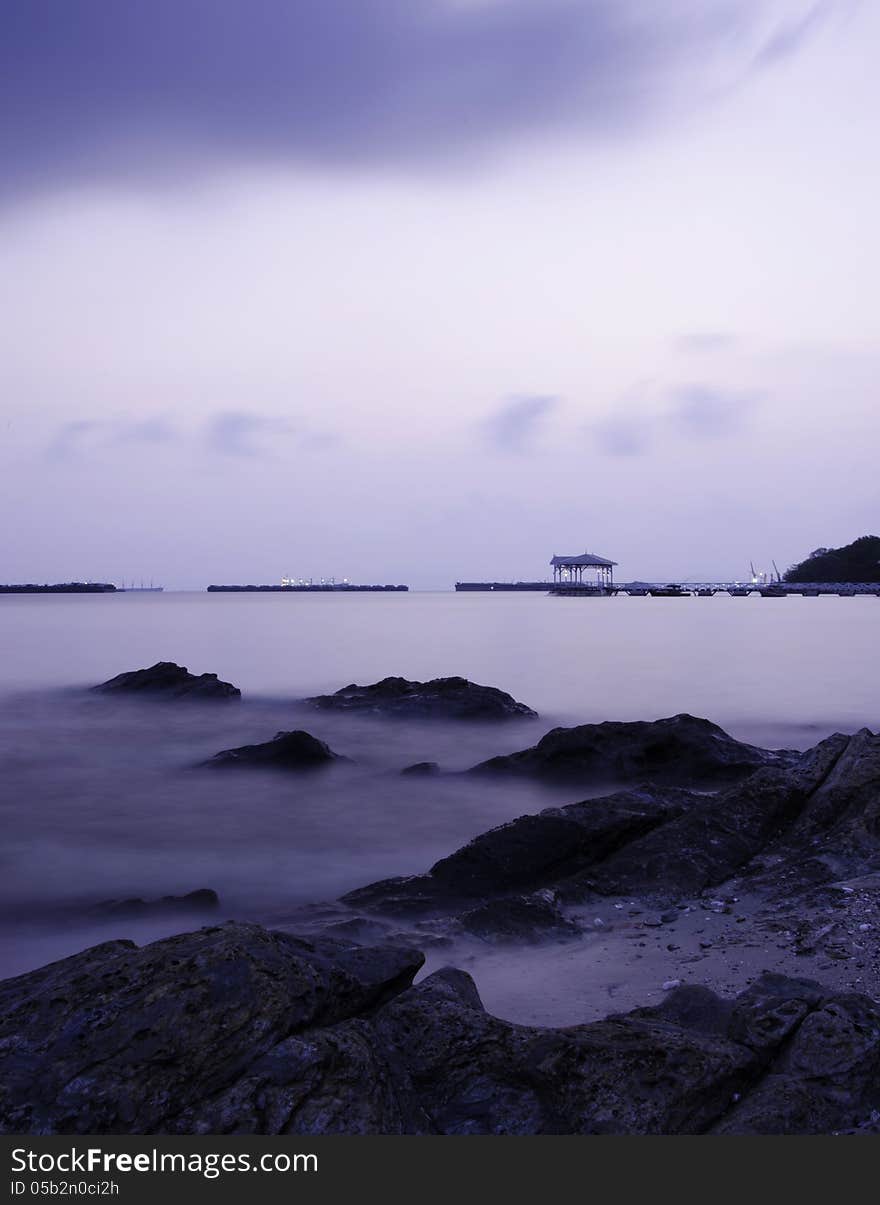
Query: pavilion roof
x,y
583,558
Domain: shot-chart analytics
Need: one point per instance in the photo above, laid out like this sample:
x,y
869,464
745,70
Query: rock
x,y
441,698
236,1029
775,829
166,680
519,918
359,930
679,751
286,751
122,1040
527,853
708,843
203,900
422,769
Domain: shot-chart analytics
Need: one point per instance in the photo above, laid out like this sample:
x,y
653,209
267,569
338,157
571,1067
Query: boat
x,y
673,590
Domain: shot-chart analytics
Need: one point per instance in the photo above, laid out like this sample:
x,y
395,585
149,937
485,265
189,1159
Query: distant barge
x,y
545,586
308,588
61,588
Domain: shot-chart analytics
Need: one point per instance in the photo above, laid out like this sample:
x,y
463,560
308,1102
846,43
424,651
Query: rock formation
x,y
166,680
681,750
237,1029
296,750
441,698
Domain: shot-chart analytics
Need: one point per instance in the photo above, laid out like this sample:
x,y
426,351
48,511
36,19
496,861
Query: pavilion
x,y
571,568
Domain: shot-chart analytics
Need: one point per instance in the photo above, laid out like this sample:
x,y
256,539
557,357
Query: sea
x,y
106,798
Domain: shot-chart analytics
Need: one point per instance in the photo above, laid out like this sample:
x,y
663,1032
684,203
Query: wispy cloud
x,y
707,412
145,431
791,36
516,425
244,433
701,342
71,437
623,434
79,437
248,433
692,412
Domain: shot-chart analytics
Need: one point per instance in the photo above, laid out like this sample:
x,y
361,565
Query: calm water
x,y
102,799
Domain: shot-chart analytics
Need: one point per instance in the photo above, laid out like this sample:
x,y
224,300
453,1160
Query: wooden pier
x,y
709,589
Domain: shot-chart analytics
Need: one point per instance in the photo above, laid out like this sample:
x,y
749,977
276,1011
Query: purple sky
x,y
414,290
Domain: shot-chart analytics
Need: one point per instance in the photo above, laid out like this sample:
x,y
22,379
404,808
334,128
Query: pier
x,y
708,589
586,575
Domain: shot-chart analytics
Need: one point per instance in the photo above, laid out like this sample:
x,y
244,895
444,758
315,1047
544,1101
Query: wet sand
x,y
723,941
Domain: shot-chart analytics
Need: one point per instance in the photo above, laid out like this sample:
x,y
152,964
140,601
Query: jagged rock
x,y
518,918
781,828
203,900
296,750
527,853
122,1040
166,680
236,1029
441,698
679,751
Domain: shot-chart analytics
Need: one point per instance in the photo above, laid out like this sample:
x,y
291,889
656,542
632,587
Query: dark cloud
x,y
147,87
516,425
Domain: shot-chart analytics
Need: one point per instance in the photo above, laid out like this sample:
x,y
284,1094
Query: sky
x,y
426,290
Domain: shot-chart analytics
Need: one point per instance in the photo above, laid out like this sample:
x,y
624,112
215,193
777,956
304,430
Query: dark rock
x,y
360,930
286,751
441,698
780,829
240,1030
679,751
122,1040
836,834
165,680
710,842
528,853
203,900
422,769
519,918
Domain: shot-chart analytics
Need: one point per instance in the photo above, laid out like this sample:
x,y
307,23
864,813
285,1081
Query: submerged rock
x,y
296,750
441,698
166,680
422,769
202,900
679,751
237,1029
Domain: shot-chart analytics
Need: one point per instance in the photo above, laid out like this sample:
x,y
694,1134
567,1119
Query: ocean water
x,y
104,798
